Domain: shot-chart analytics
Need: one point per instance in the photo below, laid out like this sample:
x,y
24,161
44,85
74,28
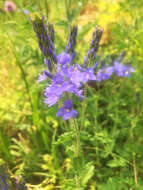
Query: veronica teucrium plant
x,y
66,78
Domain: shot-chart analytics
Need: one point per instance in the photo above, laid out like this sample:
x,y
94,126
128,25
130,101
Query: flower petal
x,y
71,114
68,104
61,112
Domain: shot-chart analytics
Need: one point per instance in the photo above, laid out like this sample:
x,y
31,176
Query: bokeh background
x,y
30,134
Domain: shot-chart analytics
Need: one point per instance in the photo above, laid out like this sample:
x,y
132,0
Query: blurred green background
x,y
31,137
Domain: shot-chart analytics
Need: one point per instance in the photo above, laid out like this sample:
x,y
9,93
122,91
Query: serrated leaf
x,y
66,137
117,163
87,173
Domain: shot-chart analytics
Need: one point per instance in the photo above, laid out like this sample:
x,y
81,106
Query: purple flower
x,y
75,74
84,61
76,90
95,66
104,73
48,63
64,58
51,99
94,45
128,71
26,11
67,76
45,37
54,91
73,55
10,6
119,69
78,75
122,70
88,75
70,48
66,111
51,31
44,76
59,86
121,57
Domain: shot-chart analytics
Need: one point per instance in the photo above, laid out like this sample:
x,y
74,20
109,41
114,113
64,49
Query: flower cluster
x,y
68,77
94,45
45,36
70,48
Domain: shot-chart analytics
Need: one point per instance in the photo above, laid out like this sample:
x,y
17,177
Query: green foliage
x,y
87,173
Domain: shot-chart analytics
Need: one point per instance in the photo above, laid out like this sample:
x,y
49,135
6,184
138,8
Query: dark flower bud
x,y
48,63
48,74
94,45
70,48
51,32
45,36
121,57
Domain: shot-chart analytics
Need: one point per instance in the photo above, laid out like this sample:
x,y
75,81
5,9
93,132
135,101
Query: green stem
x,y
77,140
83,108
65,122
77,150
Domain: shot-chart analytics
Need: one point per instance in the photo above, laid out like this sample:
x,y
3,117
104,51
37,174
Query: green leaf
x,y
121,162
64,138
87,173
